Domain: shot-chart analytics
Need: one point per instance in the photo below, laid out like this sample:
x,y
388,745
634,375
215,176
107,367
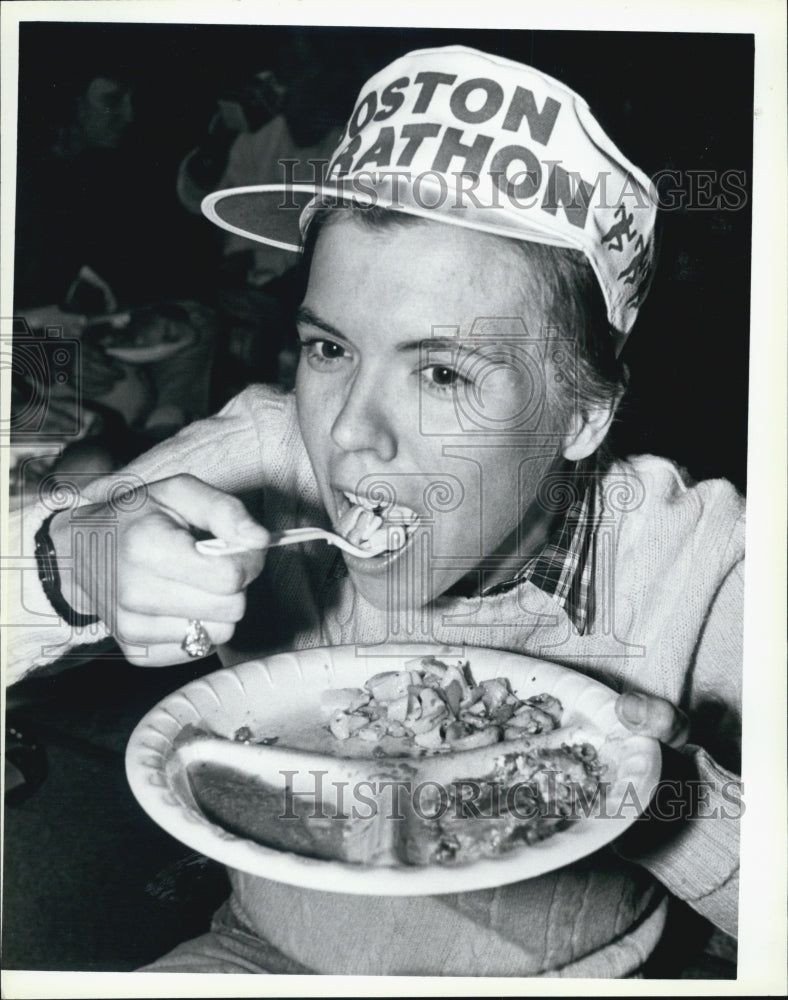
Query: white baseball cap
x,y
470,139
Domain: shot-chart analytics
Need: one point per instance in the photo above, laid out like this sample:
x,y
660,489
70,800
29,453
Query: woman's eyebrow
x,y
307,317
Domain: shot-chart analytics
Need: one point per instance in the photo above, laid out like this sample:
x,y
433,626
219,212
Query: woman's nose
x,y
364,422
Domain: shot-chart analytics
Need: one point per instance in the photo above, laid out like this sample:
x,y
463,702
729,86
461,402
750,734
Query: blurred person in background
x,y
93,246
280,125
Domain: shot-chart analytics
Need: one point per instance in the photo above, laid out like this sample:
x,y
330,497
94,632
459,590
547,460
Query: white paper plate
x,y
280,696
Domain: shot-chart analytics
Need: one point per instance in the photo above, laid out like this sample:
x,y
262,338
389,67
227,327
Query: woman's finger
x,y
207,507
143,630
162,655
160,598
652,716
162,548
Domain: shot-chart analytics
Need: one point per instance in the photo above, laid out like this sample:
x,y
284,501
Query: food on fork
x,y
376,526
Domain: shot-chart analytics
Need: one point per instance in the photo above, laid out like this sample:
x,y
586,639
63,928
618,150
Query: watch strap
x,y
48,574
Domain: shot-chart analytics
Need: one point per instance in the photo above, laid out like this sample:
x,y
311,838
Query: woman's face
x,y
424,382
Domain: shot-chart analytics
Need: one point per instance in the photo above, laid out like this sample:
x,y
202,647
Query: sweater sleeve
x,y
700,862
225,450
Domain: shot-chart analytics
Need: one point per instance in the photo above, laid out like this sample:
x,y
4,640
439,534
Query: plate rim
x,y
146,754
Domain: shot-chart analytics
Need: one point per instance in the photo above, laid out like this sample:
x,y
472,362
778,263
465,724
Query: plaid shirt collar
x,y
563,568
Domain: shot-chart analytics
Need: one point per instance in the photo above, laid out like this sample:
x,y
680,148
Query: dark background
x,y
670,101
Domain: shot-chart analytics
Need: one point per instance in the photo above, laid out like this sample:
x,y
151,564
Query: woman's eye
x,y
329,349
321,353
441,377
444,376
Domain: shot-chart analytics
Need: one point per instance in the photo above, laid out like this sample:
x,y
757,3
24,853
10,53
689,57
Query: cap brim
x,y
275,214
278,215
266,213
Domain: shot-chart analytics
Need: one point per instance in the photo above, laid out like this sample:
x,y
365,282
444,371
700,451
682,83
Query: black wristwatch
x,y
49,576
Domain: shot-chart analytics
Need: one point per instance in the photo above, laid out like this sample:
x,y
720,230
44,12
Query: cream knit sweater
x,y
668,591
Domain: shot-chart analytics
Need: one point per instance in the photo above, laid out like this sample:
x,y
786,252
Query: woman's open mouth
x,y
379,527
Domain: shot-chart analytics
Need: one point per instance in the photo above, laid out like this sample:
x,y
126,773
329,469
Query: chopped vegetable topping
x,y
437,704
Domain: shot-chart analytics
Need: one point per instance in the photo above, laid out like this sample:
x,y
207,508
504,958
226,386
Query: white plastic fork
x,y
290,536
